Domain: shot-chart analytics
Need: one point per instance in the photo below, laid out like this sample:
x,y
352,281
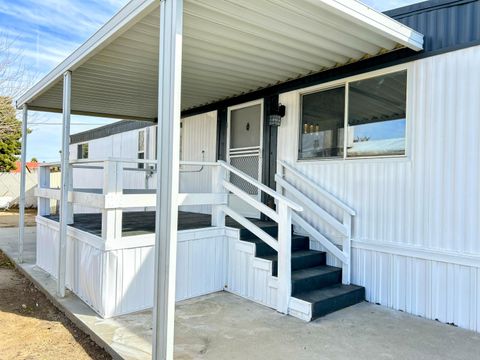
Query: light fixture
x,y
276,114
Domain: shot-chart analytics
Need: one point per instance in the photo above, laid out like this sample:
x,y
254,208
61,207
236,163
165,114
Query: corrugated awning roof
x,y
230,47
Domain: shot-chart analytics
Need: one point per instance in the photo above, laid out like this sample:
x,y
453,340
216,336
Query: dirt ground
x,y
9,218
32,328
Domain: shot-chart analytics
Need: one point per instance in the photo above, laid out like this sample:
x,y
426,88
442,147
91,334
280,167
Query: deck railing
x,y
112,199
343,226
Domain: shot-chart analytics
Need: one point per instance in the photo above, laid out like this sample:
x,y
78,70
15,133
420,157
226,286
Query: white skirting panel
x,y
445,291
249,277
117,278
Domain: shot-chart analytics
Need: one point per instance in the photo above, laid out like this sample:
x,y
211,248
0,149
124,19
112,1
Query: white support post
x,y
284,257
168,152
347,249
43,204
65,213
218,176
112,189
23,178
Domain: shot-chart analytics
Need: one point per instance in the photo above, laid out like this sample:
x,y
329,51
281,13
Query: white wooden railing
x,y
113,199
343,226
282,216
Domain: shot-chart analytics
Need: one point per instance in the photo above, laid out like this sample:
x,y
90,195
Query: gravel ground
x,y
32,328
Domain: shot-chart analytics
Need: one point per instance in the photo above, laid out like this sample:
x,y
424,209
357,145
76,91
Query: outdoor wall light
x,y
275,117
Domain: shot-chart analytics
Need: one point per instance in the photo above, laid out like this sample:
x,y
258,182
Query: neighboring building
x,y
393,137
32,165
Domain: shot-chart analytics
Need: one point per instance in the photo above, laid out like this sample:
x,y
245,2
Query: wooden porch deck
x,y
143,222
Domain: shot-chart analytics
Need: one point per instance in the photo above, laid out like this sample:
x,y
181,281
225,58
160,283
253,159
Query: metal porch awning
x,y
230,48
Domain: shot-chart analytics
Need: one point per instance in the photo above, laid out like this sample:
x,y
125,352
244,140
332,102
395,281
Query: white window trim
x,y
345,82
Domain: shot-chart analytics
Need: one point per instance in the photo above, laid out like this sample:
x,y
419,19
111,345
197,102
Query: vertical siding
x,y
199,133
120,281
428,200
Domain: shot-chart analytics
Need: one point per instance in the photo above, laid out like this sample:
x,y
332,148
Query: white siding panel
x,y
199,139
248,276
428,200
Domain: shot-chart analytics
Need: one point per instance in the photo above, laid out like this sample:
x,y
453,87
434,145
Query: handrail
x,y
317,188
320,238
337,225
260,186
261,234
251,201
128,160
344,226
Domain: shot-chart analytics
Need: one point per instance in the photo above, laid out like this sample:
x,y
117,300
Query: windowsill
x,y
365,159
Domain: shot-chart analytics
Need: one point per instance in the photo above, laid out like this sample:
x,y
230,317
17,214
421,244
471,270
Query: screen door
x,y
245,152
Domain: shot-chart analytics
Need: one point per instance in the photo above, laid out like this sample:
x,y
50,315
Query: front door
x,y
245,126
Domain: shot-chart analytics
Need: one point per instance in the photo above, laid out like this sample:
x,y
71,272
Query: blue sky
x,y
46,31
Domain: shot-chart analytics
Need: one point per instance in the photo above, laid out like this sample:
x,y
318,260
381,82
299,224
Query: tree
x,y
10,134
14,79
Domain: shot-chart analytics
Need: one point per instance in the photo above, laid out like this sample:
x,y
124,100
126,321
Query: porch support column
x,y
65,211
23,174
168,141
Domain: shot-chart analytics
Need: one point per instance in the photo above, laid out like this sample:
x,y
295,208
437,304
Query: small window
x,y
82,151
376,121
141,148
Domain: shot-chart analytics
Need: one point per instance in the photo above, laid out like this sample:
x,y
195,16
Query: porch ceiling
x,y
230,47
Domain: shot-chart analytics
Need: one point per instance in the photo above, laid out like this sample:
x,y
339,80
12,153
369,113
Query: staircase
x,y
313,281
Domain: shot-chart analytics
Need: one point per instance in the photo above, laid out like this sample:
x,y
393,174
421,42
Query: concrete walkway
x,y
224,326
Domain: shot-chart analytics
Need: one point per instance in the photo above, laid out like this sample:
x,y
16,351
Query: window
x,y
323,120
82,151
141,148
376,119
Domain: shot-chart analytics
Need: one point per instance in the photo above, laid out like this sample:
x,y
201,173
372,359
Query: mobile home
x,y
328,154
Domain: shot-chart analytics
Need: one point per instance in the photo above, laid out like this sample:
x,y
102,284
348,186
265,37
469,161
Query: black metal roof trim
x,y
107,130
424,6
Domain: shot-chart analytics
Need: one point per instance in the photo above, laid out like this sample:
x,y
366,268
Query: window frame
x,y
345,82
144,152
80,153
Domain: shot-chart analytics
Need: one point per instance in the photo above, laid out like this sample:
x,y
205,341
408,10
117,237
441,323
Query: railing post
x,y
284,257
43,183
65,213
218,175
70,188
347,249
112,189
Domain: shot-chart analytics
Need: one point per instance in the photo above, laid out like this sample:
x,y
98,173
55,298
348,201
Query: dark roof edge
x,y
424,6
108,130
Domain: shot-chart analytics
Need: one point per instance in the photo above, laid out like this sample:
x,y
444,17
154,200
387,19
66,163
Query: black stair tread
x,y
256,239
326,293
295,254
313,271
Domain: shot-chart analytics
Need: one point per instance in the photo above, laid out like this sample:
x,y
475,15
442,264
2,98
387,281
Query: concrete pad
x,y
224,326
